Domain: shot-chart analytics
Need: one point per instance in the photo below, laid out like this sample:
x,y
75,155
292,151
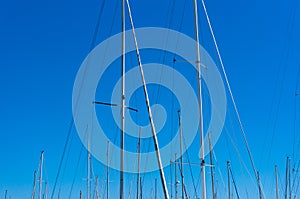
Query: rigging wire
x,y
234,183
184,185
190,168
297,187
231,96
219,170
65,165
290,28
131,182
295,111
296,175
63,156
94,39
76,170
72,121
241,161
282,184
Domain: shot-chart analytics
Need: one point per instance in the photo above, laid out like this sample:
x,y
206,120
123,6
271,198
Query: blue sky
x,y
43,44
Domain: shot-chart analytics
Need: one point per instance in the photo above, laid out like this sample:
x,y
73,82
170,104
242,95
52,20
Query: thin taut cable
x,y
232,98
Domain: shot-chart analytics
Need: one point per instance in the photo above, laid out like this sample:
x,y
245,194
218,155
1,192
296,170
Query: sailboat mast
x,y
259,189
181,154
276,178
290,185
34,185
41,175
198,64
286,177
122,103
228,170
95,192
176,180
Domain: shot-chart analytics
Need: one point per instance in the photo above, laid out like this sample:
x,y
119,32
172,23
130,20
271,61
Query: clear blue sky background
x,y
42,44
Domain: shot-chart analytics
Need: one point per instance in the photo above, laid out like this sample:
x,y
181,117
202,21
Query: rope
x,y
231,96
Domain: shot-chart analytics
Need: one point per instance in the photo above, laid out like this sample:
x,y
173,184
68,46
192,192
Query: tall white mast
x,y
198,64
286,178
34,185
41,175
176,180
228,180
122,103
276,178
95,193
259,189
181,154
